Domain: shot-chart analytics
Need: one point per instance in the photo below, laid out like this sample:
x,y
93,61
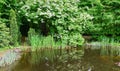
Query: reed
x,y
109,46
37,42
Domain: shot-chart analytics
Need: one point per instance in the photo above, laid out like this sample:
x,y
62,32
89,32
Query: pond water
x,y
65,60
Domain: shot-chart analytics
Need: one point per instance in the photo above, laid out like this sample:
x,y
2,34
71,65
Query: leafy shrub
x,y
76,40
106,18
62,17
73,40
31,32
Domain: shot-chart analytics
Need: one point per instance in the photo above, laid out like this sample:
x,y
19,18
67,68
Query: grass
x,y
4,49
38,41
109,46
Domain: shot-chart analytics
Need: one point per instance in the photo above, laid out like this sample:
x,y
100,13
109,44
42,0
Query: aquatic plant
x,y
37,41
48,41
109,46
34,40
31,32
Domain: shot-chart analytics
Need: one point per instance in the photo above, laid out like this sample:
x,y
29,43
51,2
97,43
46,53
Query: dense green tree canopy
x,y
64,17
67,19
106,15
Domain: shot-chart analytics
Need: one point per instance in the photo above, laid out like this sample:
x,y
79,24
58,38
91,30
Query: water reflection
x,y
48,60
66,60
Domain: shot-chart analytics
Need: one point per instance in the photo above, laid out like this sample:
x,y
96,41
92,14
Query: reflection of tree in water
x,y
67,61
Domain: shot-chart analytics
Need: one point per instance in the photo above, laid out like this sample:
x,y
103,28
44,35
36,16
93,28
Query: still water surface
x,y
65,60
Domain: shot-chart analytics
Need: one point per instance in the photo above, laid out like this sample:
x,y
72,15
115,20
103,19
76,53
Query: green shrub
x,y
14,30
73,40
31,32
76,40
4,35
61,17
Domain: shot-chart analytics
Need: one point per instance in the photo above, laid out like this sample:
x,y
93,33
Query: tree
x,y
14,31
63,18
4,35
106,19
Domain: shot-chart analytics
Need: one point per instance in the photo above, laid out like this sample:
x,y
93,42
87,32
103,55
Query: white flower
x,y
26,14
25,7
19,11
36,16
29,20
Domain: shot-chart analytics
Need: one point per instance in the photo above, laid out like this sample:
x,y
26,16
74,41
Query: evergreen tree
x,y
13,28
4,35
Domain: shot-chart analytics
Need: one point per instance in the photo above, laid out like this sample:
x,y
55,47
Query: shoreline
x,y
9,56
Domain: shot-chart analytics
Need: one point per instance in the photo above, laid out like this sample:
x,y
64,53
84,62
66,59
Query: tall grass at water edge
x,y
109,46
38,41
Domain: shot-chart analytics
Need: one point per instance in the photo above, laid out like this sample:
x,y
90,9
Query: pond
x,y
64,60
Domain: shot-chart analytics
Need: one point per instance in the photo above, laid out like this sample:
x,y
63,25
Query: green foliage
x,y
2,1
48,41
73,39
106,19
31,32
76,40
65,18
109,47
14,31
62,17
35,41
4,35
38,41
